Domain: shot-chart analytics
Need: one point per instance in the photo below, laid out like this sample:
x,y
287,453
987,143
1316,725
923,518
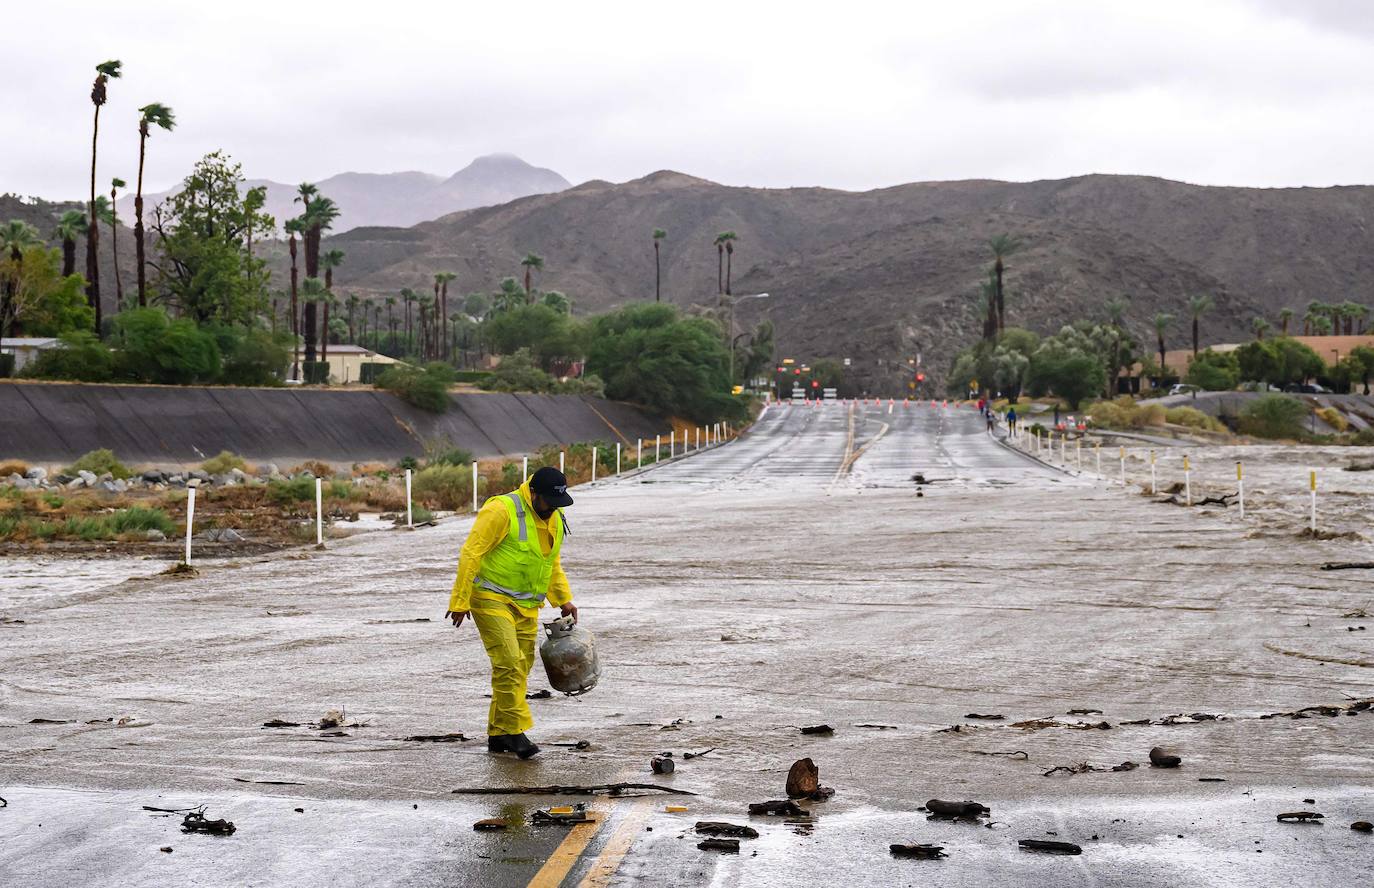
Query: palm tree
x,y
659,234
1116,314
1315,309
351,303
319,215
1322,325
16,237
425,309
1260,326
727,239
557,301
1285,316
531,263
104,73
391,319
152,115
1002,246
1361,315
331,260
312,291
1350,311
408,298
1197,307
1162,320
441,280
253,201
115,184
720,262
987,306
293,227
71,226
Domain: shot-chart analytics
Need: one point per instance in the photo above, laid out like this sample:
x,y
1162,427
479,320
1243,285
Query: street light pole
x,y
731,332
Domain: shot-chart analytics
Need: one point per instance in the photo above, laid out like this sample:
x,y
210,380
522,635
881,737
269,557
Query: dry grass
x,y
13,467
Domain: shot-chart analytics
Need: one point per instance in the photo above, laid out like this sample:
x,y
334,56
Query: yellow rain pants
x,y
508,633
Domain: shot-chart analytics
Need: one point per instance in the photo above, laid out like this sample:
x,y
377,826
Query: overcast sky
x,y
849,95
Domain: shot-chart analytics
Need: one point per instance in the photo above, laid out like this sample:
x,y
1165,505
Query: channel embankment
x,y
57,422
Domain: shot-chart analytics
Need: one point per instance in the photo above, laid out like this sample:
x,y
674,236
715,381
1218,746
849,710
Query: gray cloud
x,y
770,94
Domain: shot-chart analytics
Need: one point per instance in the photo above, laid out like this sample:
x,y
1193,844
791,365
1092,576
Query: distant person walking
x,y
992,419
1011,420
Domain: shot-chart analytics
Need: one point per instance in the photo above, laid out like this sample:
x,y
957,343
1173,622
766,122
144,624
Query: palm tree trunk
x,y
1001,303
93,236
720,268
1195,336
443,299
1163,370
138,222
114,251
68,256
729,260
658,297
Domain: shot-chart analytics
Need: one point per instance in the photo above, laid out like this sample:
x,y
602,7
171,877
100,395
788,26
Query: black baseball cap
x,y
552,485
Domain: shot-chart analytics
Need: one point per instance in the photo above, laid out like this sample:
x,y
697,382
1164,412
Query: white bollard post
x,y
698,437
1240,488
474,486
617,457
672,444
658,445
639,453
1154,483
1312,482
524,469
1078,453
190,519
1097,451
593,465
319,512
1122,456
410,518
561,455
1187,481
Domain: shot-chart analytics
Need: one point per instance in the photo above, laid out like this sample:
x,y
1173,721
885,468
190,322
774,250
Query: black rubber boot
x,y
521,746
498,743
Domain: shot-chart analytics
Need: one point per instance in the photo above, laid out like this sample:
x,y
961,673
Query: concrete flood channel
x,y
789,579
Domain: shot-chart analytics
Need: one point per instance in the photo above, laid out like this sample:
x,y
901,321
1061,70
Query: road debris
x,y
1348,565
1015,753
1084,712
391,622
560,815
332,719
269,782
674,809
613,789
996,716
196,822
696,755
946,810
1045,846
727,830
1362,826
728,846
803,779
1300,817
1163,758
279,723
662,765
777,808
576,744
818,729
1084,768
491,824
166,849
918,852
878,727
49,721
456,737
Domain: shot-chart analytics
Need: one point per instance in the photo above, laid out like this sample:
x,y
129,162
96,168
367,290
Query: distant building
x,y
1330,348
26,349
346,362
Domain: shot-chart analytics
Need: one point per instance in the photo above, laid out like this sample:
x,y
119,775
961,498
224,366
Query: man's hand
x,y
570,610
457,617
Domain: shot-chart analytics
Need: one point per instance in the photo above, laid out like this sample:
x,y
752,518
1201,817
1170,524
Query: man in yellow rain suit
x,y
507,569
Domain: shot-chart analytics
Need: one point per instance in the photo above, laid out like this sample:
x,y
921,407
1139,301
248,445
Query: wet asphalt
x,y
790,578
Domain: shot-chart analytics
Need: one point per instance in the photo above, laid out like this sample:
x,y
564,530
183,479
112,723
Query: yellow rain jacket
x,y
492,528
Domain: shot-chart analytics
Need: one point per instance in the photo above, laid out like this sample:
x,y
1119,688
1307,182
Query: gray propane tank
x,y
569,655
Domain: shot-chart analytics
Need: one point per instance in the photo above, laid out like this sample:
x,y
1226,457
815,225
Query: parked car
x,y
1257,387
1183,388
1306,388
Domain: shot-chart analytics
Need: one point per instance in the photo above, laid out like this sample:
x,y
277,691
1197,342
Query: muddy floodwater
x,y
963,637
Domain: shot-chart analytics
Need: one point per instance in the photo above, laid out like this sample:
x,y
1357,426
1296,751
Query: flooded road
x,y
791,578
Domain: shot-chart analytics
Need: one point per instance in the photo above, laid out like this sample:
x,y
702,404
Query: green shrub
x,y
518,372
510,476
472,376
99,462
452,456
291,490
137,518
223,462
338,489
426,388
82,358
1273,416
315,372
155,348
1192,418
1214,371
408,462
252,356
447,487
85,528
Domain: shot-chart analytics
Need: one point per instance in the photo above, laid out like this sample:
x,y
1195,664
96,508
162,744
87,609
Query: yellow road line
x,y
605,865
556,868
